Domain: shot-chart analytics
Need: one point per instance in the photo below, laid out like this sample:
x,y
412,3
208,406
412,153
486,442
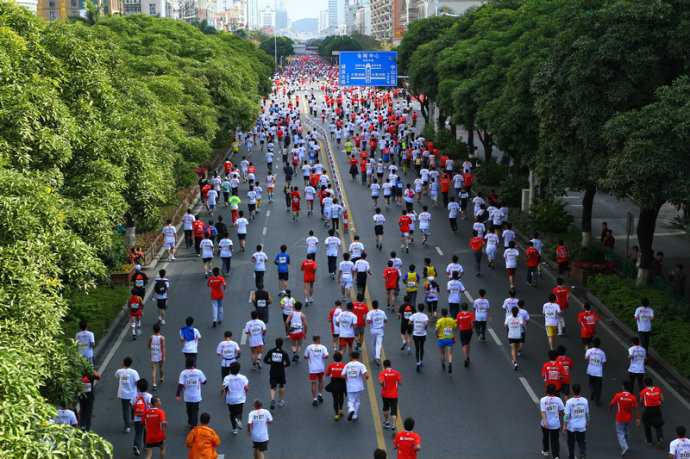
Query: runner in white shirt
x,y
376,319
551,312
187,220
241,223
346,322
419,322
510,255
255,329
332,247
169,239
85,341
206,246
680,447
228,351
65,416
257,428
576,421
596,358
482,314
514,323
316,354
345,276
259,258
424,224
550,408
355,373
379,221
491,246
127,378
309,196
312,243
190,382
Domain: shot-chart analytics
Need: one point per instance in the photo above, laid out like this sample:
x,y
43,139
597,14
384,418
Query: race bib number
x,y
139,283
228,353
155,348
352,373
411,284
447,331
276,357
282,260
378,321
261,303
191,382
255,330
644,318
407,314
551,409
595,360
579,412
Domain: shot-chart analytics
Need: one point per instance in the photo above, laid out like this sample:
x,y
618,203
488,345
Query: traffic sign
x,y
368,68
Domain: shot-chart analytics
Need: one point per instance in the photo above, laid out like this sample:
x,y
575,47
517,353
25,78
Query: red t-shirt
x,y
309,266
205,189
562,294
407,442
587,321
335,369
552,372
445,185
198,228
464,320
625,402
391,275
566,363
227,165
404,223
476,243
532,257
295,197
468,179
360,310
562,254
153,419
216,283
389,379
651,396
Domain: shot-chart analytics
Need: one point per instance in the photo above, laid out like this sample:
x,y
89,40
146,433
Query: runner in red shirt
x,y
154,423
309,268
404,222
624,402
337,384
552,371
407,442
227,166
135,305
476,244
532,256
392,277
465,321
218,286
567,364
562,258
562,293
360,309
468,177
295,199
651,399
588,320
389,380
198,228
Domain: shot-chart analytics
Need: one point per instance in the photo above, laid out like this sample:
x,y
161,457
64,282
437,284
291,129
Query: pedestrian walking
x,y
390,380
190,338
596,358
644,316
228,351
218,288
141,403
551,408
576,422
376,319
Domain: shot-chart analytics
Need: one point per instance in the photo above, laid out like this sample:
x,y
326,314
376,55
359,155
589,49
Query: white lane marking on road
x,y
469,297
110,354
438,249
249,300
529,390
494,336
268,214
243,341
263,232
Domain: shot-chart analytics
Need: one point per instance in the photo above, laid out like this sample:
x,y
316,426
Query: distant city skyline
x,y
298,9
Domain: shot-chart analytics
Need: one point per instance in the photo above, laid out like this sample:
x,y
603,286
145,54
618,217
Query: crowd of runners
x,y
405,176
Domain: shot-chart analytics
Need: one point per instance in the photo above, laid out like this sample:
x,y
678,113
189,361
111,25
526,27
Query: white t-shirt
x,y
491,241
346,321
85,342
206,246
424,220
227,350
508,304
454,267
225,245
379,219
356,249
332,246
259,420
241,224
255,328
191,347
577,409
644,316
361,266
455,289
551,312
597,358
169,232
192,379
680,448
419,321
346,268
260,261
508,235
481,309
514,326
639,354
187,220
511,256
377,318
235,389
312,243
147,401
127,383
354,376
551,406
480,228
316,354
65,416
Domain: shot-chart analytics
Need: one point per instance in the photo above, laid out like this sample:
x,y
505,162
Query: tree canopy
x,y
283,46
337,43
95,122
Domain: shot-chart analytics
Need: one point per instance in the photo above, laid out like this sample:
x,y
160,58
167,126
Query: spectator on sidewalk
x,y
604,230
657,269
608,240
676,279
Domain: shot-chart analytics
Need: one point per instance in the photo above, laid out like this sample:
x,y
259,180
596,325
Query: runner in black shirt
x,y
278,359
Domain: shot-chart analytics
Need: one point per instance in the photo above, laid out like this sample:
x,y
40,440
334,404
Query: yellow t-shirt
x,y
445,327
412,280
430,272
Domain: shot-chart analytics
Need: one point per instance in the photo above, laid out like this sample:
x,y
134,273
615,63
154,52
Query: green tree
x,y
283,46
337,43
420,32
651,160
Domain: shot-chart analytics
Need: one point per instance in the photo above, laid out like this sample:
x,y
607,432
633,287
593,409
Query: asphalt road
x,y
484,411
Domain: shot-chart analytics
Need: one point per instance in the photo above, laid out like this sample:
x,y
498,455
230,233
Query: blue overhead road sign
x,y
368,68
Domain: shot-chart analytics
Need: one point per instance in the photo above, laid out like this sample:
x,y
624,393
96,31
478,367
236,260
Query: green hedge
x,y
671,327
99,306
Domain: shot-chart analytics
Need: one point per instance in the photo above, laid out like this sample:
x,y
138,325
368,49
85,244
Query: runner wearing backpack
x,y
161,288
141,402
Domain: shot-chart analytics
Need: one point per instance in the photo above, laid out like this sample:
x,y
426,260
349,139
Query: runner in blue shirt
x,y
282,260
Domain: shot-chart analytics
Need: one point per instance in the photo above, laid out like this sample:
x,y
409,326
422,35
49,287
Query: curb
x,y
623,333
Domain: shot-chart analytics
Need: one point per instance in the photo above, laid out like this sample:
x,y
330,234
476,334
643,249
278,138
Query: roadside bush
x,y
549,215
99,306
510,190
593,253
671,328
491,174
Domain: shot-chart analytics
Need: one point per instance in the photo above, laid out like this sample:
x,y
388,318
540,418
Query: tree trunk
x,y
586,220
487,143
470,140
130,230
646,224
424,108
454,130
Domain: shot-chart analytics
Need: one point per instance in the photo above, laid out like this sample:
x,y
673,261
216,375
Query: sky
x,y
298,9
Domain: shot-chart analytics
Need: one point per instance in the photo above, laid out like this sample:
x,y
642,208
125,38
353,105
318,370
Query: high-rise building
x,y
323,22
363,19
268,18
61,10
253,21
281,16
336,16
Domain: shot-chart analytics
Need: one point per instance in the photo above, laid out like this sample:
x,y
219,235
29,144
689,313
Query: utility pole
x,y
275,33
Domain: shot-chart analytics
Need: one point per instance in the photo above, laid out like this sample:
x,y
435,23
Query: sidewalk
x,y
672,241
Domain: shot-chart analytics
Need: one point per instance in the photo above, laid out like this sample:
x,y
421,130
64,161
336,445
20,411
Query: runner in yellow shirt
x,y
444,331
